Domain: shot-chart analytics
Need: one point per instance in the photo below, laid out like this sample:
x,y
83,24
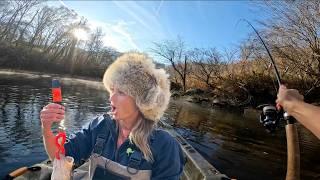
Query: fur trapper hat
x,y
136,75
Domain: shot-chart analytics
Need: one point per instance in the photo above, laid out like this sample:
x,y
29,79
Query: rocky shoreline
x,y
208,99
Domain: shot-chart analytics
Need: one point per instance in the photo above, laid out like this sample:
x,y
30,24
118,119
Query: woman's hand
x,y
287,98
51,113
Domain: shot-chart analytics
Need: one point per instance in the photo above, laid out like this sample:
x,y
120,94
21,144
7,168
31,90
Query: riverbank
x,y
200,97
209,99
51,74
95,83
197,96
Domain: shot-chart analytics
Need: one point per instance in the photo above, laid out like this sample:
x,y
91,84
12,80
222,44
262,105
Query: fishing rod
x,y
270,56
270,118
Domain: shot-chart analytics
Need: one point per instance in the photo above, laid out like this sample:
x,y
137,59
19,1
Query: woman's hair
x,y
140,135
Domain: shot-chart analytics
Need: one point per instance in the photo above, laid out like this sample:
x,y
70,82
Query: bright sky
x,y
136,25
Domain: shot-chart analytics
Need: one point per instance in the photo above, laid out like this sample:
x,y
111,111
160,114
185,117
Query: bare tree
x,y
174,52
207,66
94,45
294,37
23,31
107,56
19,11
47,21
229,55
4,12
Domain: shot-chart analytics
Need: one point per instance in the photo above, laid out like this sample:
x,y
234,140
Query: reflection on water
x,y
236,144
22,97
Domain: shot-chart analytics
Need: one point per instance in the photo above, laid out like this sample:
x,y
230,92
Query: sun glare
x,y
80,34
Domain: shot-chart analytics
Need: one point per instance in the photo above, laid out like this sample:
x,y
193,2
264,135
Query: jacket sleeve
x,y
80,144
168,159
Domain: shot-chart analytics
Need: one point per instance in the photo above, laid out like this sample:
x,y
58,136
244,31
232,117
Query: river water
x,y
234,142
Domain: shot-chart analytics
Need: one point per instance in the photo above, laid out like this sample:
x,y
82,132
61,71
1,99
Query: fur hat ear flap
x,y
163,80
161,96
148,99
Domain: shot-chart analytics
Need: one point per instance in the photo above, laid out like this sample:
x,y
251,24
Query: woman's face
x,y
122,106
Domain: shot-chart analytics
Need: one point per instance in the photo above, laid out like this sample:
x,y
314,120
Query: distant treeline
x,y
34,36
37,37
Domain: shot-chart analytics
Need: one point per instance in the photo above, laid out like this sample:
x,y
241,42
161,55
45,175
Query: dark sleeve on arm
x,y
79,145
168,159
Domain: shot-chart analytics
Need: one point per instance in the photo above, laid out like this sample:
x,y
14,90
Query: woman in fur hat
x,y
124,143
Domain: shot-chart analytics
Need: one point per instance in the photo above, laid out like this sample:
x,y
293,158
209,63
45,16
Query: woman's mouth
x,y
113,109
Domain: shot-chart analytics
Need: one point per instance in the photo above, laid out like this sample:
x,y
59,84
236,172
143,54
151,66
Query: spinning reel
x,y
270,117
